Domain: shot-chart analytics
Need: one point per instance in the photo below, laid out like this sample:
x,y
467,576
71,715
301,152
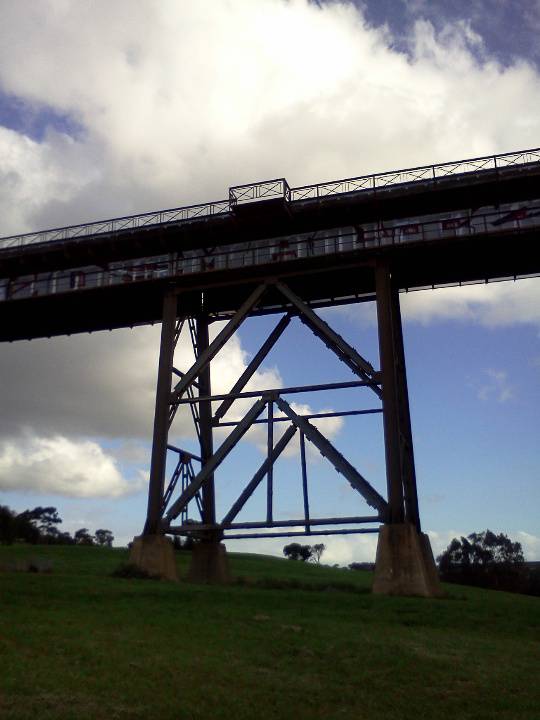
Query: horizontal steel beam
x,y
254,536
188,454
313,416
277,524
278,391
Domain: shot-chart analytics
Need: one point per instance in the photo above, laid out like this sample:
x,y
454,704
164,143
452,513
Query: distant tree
x,y
484,559
317,551
25,529
83,537
7,525
64,538
43,520
104,538
295,551
362,566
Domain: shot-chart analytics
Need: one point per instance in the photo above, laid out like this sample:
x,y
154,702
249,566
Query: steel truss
x,y
192,388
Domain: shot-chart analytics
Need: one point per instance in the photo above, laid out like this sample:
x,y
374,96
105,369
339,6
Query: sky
x,y
108,109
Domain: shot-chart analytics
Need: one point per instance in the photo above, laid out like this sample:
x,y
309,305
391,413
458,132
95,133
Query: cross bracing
x,y
169,501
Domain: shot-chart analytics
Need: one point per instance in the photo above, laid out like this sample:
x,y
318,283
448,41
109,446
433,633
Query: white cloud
x,y
178,103
530,544
492,305
61,466
497,388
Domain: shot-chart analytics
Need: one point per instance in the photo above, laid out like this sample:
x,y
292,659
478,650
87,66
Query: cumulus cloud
x,y
492,305
530,544
60,466
178,103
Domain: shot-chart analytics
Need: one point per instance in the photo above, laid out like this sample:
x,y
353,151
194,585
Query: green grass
x,y
79,643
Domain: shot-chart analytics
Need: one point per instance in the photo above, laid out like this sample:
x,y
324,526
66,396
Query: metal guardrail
x,y
114,225
277,251
253,192
272,189
417,174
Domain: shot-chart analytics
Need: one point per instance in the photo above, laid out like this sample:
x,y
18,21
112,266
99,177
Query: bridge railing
x,y
269,189
505,219
253,192
115,225
417,174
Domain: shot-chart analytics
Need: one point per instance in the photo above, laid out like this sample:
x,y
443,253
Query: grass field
x,y
79,643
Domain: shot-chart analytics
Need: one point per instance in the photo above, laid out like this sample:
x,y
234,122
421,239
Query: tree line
x,y
489,560
40,527
483,559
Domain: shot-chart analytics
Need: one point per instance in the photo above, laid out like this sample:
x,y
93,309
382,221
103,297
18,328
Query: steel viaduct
x,y
272,249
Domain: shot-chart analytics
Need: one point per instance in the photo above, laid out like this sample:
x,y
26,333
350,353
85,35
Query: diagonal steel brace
x,y
253,366
359,365
218,342
341,464
216,459
259,475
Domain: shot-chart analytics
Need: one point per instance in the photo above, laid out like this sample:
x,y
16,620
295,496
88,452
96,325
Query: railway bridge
x,y
272,249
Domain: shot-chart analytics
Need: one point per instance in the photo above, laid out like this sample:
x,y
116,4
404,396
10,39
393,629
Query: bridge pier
x,y
404,563
152,551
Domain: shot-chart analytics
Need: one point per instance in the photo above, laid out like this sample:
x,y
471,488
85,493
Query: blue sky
x,y
312,93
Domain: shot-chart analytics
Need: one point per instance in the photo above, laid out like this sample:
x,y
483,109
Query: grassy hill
x,y
289,640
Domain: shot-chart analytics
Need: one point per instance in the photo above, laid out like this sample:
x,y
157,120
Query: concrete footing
x,y
405,564
155,555
209,564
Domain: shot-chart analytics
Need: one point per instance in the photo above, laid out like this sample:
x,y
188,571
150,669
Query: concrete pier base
x,y
209,564
155,555
405,564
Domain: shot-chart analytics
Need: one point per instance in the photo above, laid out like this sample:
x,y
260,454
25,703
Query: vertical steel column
x,y
408,470
205,418
400,473
270,474
161,416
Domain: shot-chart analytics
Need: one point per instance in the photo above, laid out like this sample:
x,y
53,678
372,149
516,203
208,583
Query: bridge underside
x,y
321,281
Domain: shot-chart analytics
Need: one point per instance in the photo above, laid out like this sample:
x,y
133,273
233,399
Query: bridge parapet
x,y
277,189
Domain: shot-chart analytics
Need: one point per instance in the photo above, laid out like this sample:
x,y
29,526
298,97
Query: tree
x,y
484,559
83,537
7,525
317,551
104,538
295,551
43,520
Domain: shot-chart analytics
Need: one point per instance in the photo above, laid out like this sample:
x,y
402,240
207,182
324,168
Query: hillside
x,y
287,641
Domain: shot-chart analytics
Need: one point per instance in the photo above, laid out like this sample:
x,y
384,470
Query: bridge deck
x,y
422,251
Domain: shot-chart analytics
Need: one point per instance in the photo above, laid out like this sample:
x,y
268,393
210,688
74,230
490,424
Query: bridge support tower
x,y
404,564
